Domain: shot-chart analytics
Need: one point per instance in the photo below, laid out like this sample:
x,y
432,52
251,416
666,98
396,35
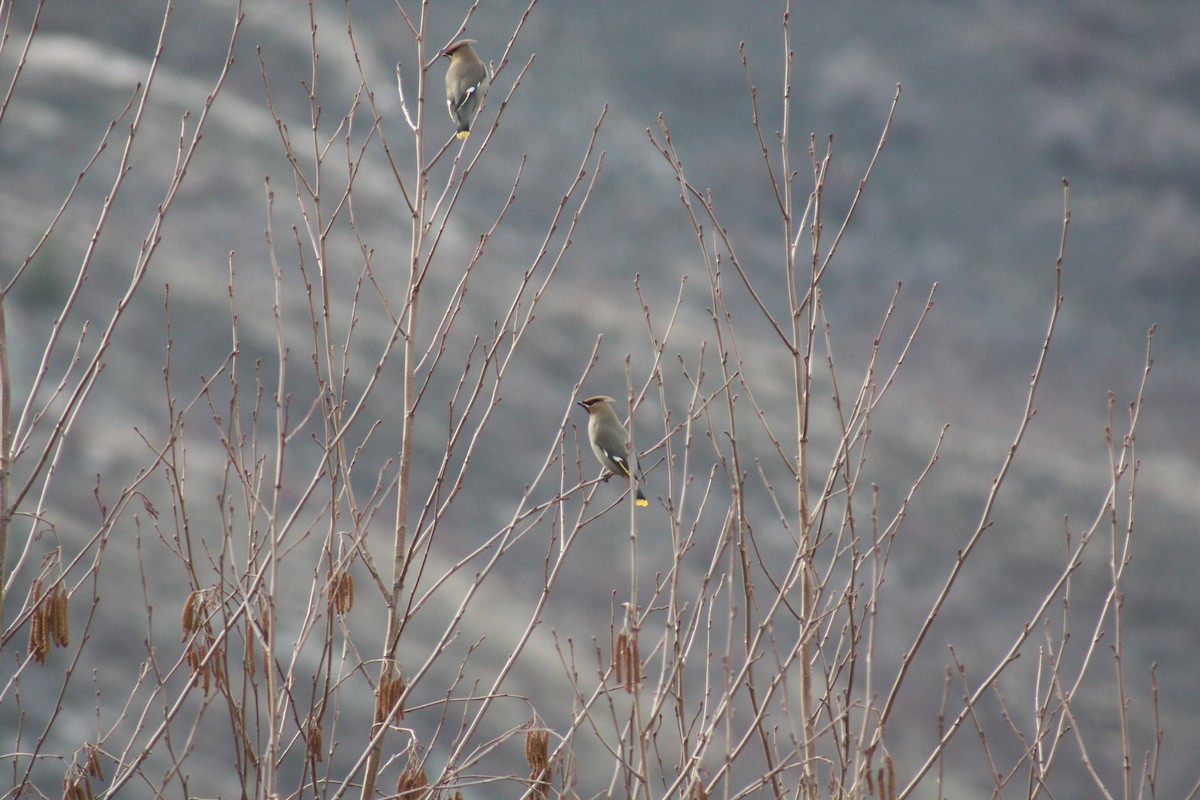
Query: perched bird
x,y
610,444
466,84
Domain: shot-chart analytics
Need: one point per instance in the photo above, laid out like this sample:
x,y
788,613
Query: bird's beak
x,y
581,404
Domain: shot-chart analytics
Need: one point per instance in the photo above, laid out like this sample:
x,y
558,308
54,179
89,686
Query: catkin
x,y
413,779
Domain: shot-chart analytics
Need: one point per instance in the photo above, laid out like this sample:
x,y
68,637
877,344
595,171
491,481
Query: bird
x,y
466,84
610,443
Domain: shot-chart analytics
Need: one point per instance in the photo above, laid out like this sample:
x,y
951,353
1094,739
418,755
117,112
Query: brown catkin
x,y
39,642
341,592
536,749
537,754
60,617
94,767
634,675
413,779
315,745
388,696
187,621
77,788
194,655
618,659
218,668
39,634
250,662
381,698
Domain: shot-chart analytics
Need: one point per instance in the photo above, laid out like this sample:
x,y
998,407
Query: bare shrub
x,y
318,507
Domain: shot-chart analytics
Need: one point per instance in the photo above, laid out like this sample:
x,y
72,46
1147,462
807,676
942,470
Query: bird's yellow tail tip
x,y
462,134
643,501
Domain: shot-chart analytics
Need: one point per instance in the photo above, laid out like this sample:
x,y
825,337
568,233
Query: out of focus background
x,y
1000,101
